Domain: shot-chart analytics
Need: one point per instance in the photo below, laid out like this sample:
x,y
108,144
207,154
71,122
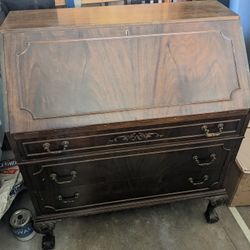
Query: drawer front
x,y
88,182
123,138
100,194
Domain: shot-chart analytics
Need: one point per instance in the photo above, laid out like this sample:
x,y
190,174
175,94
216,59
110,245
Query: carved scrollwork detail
x,y
135,137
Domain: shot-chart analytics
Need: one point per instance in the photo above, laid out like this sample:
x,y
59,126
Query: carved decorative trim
x,y
226,38
135,137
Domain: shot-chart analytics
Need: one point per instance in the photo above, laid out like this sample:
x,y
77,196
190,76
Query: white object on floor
x,y
11,183
240,222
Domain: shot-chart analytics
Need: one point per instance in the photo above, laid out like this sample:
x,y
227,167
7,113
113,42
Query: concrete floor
x,y
176,226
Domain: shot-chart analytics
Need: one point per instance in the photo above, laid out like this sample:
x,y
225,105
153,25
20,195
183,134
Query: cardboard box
x,y
240,194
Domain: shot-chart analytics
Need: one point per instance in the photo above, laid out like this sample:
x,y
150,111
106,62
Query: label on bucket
x,y
24,233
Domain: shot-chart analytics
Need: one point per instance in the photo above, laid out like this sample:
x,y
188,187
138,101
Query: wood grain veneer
x,y
154,80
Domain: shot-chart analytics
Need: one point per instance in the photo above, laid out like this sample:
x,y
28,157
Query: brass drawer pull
x,y
197,183
63,179
205,129
67,200
212,158
46,147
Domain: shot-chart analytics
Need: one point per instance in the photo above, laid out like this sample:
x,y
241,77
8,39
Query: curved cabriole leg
x,y
210,214
46,228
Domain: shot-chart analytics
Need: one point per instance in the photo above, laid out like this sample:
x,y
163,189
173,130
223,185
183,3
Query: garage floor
x,y
176,226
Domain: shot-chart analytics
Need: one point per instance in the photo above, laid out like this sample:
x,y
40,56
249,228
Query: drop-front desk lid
x,y
76,67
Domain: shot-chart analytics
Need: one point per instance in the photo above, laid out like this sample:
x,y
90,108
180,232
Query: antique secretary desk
x,y
124,106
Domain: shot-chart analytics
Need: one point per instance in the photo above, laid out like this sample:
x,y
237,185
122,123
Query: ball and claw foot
x,y
48,242
210,214
46,228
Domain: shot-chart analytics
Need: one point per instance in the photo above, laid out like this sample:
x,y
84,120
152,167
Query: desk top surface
x,y
118,15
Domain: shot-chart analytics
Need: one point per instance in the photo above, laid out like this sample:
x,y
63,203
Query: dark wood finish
x,y
106,140
136,203
119,177
233,180
42,96
127,106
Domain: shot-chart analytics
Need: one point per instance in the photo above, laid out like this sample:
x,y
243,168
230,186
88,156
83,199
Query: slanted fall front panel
x,y
119,74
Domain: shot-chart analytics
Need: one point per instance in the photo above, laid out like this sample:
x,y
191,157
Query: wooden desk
x,y
125,106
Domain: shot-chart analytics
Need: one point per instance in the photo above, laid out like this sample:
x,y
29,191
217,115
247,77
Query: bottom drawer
x,y
118,191
86,182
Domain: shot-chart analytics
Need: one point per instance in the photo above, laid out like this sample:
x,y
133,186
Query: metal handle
x,y
197,183
212,158
64,179
46,147
67,200
205,129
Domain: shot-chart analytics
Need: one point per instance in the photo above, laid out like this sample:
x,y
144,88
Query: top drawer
x,y
83,143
